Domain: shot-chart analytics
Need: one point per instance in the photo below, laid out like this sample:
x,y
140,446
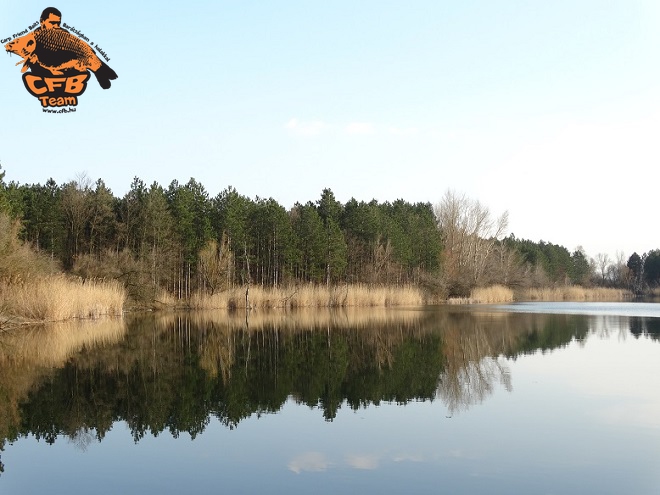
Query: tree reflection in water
x,y
176,372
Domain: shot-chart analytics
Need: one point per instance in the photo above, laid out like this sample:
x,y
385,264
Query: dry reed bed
x,y
500,294
58,298
575,293
486,295
310,296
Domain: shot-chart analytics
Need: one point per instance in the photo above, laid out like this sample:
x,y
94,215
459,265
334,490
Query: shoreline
x,y
57,299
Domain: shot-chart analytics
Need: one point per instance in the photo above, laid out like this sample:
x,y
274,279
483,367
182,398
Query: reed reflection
x,y
32,356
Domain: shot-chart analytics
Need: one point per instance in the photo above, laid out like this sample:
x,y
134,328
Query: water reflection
x,y
31,356
649,327
176,372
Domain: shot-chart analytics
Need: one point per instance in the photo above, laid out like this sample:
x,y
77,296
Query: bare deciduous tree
x,y
602,261
470,236
215,261
618,272
77,211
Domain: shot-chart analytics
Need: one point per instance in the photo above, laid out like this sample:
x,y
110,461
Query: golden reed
x,y
575,293
486,295
310,296
499,294
58,298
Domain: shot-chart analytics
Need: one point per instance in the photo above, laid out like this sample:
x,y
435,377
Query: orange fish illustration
x,y
58,51
24,48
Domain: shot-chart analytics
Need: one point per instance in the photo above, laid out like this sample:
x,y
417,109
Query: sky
x,y
549,111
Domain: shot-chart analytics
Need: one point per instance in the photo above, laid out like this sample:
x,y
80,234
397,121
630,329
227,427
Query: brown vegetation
x,y
310,296
499,294
473,254
30,289
485,295
574,293
57,298
18,260
655,292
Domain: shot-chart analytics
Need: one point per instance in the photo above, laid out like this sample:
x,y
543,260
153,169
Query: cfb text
x,y
39,86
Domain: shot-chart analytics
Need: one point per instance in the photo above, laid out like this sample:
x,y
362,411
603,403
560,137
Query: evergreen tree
x,y
190,208
131,217
231,213
311,242
636,265
362,230
271,241
652,268
10,201
580,269
330,211
102,225
159,244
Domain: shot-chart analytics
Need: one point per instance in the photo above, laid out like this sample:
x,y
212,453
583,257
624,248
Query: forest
x,y
180,239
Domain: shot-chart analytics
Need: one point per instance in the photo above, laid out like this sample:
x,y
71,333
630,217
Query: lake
x,y
534,398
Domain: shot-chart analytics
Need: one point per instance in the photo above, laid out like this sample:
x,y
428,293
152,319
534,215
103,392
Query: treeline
x,y
551,262
180,239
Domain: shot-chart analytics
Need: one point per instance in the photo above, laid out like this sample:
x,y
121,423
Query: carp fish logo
x,y
56,64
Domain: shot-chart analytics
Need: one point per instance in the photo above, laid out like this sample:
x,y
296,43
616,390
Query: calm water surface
x,y
525,398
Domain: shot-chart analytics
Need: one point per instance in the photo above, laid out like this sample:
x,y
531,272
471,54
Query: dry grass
x,y
58,298
486,295
165,299
499,294
574,293
310,296
30,291
17,260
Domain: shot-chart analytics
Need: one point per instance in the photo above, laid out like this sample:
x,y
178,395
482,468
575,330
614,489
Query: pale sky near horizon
x,y
549,110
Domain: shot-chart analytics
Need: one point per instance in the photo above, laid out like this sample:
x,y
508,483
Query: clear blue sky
x,y
550,110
